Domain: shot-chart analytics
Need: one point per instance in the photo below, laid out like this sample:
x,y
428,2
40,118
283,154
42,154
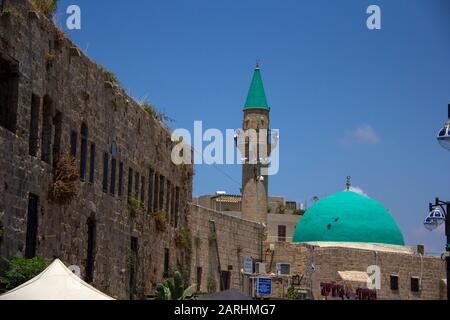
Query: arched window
x,y
84,150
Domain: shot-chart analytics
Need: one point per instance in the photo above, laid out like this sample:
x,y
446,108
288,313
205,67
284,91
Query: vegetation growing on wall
x,y
212,238
65,180
282,209
60,38
10,12
211,285
183,240
197,241
109,76
134,202
161,221
157,114
46,7
298,212
49,60
21,270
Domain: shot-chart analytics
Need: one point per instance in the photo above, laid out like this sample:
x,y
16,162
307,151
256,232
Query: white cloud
x,y
358,190
364,134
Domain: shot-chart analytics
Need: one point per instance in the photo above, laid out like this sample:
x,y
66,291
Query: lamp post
x,y
439,215
440,209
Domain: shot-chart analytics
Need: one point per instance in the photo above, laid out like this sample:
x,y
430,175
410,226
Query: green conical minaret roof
x,y
256,98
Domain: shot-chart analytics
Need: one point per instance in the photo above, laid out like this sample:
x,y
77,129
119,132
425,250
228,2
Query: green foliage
x,y
157,114
282,209
47,7
110,76
134,202
148,163
298,212
197,241
8,12
161,221
22,270
174,288
293,294
211,285
183,240
212,238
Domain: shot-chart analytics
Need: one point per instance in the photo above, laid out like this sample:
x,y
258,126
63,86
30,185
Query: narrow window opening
x,y
394,283
34,124
92,163
162,182
166,263
133,266
143,190
281,233
136,185
130,183
199,278
32,226
156,194
120,179
177,205
9,88
90,260
73,143
105,171
57,124
151,177
167,208
84,149
113,177
47,129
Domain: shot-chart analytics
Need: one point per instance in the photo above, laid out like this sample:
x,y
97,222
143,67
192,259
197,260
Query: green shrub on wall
x,y
183,240
22,270
47,7
211,285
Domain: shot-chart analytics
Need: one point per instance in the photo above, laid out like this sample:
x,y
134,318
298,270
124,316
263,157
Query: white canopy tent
x,y
56,282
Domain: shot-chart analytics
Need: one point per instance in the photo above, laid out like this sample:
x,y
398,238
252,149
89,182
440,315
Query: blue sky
x,y
347,100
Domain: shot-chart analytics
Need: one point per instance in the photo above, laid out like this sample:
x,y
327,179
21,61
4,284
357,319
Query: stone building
x,y
85,171
282,216
336,244
220,243
326,253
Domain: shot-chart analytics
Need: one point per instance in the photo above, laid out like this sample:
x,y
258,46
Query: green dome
x,y
348,217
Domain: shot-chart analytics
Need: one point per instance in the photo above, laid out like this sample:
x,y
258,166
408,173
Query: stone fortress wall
x,y
55,101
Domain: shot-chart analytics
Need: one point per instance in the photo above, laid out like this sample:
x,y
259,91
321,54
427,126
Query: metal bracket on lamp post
x,y
444,207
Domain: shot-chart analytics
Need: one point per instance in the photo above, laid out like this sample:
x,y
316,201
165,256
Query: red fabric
x,y
339,291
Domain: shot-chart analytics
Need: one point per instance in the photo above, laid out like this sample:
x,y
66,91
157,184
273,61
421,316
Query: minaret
x,y
256,116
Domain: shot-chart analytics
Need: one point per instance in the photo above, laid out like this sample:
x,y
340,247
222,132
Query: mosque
x,y
345,246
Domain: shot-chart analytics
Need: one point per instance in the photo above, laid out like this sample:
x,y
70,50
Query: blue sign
x,y
264,286
248,266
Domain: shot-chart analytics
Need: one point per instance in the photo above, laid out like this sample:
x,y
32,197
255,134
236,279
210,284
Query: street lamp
x,y
439,211
439,215
443,136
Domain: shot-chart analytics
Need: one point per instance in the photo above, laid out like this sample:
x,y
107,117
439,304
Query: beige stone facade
x,y
329,260
220,244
